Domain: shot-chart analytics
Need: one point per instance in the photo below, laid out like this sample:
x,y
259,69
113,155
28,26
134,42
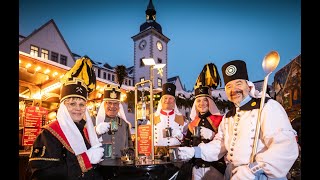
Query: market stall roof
x,y
40,75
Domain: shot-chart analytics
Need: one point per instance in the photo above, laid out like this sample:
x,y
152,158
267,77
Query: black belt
x,y
219,165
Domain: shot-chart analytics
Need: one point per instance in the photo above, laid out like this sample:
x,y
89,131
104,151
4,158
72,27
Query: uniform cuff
x,y
255,168
197,152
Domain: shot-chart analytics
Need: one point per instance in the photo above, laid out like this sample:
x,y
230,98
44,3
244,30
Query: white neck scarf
x,y
73,134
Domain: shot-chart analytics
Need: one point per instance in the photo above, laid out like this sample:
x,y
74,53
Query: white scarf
x,y
73,134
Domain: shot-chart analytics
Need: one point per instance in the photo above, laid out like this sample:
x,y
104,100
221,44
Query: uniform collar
x,y
167,114
203,116
252,103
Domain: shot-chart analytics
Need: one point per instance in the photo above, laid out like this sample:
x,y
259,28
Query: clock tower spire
x,y
150,12
150,43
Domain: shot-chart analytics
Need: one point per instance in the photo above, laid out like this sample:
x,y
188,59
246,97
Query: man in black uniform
x,y
68,147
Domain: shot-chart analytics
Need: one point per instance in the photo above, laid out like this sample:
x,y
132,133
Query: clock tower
x,y
150,43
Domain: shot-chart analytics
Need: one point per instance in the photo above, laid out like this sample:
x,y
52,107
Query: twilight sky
x,y
200,31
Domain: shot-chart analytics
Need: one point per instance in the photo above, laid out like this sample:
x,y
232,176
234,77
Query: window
x,y
104,75
159,82
141,79
63,60
129,82
141,62
99,72
126,82
112,77
44,54
108,76
159,60
54,56
34,51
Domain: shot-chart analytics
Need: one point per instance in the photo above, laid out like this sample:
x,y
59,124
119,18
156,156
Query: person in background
x,y
68,148
112,126
168,122
277,148
206,115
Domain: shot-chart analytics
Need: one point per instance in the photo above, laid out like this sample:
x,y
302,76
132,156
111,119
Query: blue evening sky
x,y
200,31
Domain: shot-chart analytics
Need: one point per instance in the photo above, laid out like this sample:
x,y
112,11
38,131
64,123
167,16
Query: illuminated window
x,y
34,51
159,82
141,79
44,54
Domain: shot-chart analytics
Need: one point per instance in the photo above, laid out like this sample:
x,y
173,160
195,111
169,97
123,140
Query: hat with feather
x,y
79,81
209,76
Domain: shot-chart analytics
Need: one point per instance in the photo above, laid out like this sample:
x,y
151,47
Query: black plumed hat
x,y
73,87
202,91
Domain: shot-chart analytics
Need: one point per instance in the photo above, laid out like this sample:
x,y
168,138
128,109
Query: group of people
x,y
213,145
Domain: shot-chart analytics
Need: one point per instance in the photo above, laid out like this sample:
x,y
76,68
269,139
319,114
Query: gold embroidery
x,y
31,152
253,103
45,159
82,164
63,142
113,95
43,151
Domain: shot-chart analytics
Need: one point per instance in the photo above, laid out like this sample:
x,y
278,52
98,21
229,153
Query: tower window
x,y
141,62
159,82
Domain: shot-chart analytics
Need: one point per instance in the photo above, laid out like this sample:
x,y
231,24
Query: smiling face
x,y
237,90
111,108
168,102
76,108
202,104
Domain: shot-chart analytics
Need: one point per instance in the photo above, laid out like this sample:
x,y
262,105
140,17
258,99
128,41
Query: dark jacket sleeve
x,y
47,158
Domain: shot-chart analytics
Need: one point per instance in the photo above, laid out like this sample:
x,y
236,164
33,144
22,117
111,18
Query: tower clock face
x,y
159,46
142,44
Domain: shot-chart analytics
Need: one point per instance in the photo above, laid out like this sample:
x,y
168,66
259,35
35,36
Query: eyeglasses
x,y
74,105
